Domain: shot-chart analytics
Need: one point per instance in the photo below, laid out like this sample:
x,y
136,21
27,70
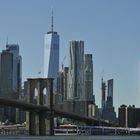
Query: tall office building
x,y
10,70
17,66
6,73
109,101
60,88
108,111
103,92
76,71
62,80
88,77
51,53
10,77
65,81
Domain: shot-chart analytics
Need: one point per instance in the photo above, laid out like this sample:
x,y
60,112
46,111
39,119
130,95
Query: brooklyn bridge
x,y
41,117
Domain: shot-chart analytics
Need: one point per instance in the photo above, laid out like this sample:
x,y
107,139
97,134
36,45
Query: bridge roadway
x,y
37,108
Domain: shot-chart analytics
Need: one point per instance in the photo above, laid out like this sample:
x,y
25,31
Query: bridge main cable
x,y
23,105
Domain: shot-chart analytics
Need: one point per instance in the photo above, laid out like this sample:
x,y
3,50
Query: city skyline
x,y
110,30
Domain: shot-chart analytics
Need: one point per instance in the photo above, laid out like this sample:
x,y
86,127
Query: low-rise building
x,y
129,116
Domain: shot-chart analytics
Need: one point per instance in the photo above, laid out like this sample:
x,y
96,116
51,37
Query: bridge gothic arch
x,y
35,96
37,90
45,96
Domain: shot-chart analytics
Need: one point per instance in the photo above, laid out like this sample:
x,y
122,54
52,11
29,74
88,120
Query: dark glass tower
x,y
110,93
10,79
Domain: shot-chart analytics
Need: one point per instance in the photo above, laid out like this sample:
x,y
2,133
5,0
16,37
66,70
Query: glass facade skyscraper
x,y
51,54
88,75
6,74
17,65
108,111
10,69
10,79
103,92
110,93
76,71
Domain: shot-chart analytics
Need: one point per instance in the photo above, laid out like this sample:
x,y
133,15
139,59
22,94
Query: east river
x,y
72,138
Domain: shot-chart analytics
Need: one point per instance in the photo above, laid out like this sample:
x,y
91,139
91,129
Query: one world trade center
x,y
51,53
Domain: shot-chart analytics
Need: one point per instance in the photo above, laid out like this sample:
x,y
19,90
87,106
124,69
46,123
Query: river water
x,y
73,138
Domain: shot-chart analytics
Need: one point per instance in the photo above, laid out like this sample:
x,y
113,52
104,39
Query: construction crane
x,y
62,63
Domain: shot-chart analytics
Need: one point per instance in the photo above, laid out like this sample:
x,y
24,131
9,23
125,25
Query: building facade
x,y
88,77
75,91
65,82
76,71
62,84
103,94
10,70
60,88
51,53
17,65
6,73
10,78
108,111
109,101
129,116
93,111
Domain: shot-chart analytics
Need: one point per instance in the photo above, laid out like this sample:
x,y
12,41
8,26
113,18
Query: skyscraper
x,y
103,92
6,74
88,77
17,66
76,71
10,69
108,111
110,93
10,78
51,53
60,87
65,81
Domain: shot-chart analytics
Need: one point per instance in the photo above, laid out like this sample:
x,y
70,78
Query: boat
x,y
66,129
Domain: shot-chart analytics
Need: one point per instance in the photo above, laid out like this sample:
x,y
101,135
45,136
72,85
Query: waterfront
x,y
72,138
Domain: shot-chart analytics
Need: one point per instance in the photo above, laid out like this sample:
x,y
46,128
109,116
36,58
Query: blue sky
x,y
110,29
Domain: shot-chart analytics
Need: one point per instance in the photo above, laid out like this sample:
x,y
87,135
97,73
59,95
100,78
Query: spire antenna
x,y
6,41
102,75
52,20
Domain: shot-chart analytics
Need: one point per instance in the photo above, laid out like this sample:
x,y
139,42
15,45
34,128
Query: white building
x,y
51,54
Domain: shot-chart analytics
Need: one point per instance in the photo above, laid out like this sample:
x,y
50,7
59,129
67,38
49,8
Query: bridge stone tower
x,y
40,92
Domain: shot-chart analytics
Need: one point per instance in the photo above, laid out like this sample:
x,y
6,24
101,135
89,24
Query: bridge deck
x,y
38,108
